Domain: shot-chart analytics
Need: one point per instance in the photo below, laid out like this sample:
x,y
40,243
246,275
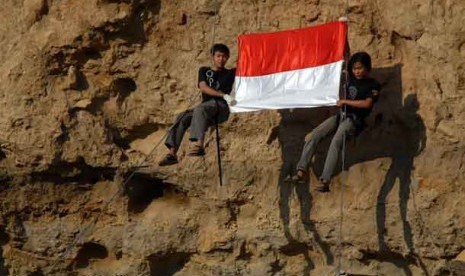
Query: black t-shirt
x,y
361,89
222,80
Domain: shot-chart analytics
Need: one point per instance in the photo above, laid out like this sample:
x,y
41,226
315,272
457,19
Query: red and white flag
x,y
290,69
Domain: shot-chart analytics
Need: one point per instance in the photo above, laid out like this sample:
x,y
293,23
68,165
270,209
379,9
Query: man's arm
x,y
365,104
209,91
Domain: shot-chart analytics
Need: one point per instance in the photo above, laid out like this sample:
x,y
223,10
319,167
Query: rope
x,y
218,151
217,131
339,271
215,21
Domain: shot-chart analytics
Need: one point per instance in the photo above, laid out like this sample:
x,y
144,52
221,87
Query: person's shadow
x,y
293,127
394,130
409,138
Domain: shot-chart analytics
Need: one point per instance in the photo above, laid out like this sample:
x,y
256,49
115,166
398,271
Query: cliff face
x,y
88,88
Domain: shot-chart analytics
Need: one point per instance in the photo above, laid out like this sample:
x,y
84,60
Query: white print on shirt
x,y
211,81
352,92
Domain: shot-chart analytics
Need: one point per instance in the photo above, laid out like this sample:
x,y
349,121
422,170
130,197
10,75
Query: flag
x,y
290,69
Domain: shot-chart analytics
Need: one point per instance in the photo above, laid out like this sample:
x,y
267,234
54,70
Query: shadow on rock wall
x,y
4,239
394,130
291,132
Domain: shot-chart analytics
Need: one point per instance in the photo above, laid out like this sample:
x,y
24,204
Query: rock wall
x,y
88,88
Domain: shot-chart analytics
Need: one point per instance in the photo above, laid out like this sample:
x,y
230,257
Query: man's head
x,y
411,102
360,65
220,55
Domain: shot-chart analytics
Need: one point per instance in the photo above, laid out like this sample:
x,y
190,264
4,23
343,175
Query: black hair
x,y
219,48
361,57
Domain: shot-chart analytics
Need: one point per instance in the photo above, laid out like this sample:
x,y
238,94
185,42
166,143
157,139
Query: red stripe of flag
x,y
268,53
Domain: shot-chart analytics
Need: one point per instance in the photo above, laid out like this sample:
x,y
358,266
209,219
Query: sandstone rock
x,y
34,10
72,77
89,88
82,104
461,257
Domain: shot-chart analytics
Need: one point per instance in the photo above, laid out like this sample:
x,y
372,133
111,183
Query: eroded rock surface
x,y
89,87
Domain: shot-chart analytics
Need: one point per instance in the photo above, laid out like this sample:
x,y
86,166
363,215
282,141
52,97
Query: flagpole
x,y
218,151
217,130
340,272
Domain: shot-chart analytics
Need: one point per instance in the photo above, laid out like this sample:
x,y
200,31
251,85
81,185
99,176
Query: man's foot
x,y
169,159
300,176
196,150
322,186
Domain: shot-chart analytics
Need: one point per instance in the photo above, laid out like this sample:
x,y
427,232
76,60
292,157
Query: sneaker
x,y
169,159
196,150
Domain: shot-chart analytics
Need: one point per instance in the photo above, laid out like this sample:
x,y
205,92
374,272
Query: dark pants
x,y
198,119
345,127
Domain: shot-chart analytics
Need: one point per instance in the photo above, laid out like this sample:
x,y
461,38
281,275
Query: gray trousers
x,y
330,125
198,119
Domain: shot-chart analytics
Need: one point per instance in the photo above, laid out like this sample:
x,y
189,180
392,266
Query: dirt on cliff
x,y
88,88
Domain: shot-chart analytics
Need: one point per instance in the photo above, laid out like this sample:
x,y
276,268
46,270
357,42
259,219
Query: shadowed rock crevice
x,y
4,239
36,273
88,252
77,173
276,267
143,188
123,88
81,81
243,253
2,154
168,264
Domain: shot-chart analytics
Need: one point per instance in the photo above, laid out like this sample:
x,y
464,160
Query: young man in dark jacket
x,y
215,83
362,93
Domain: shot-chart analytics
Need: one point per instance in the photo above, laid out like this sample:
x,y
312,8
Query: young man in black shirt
x,y
362,93
215,83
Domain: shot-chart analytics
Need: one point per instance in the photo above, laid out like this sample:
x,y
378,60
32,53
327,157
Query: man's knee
x,y
185,122
314,137
184,118
199,109
344,132
224,116
200,113
180,116
338,138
